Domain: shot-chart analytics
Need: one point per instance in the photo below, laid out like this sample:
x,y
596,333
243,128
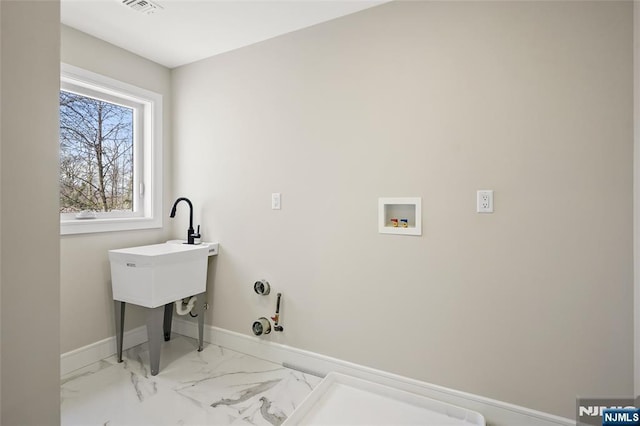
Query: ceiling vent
x,y
143,6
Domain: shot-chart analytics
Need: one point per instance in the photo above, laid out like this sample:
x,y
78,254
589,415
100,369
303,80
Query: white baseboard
x,y
81,357
496,413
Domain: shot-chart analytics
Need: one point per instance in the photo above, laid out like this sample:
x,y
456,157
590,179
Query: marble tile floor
x,y
214,387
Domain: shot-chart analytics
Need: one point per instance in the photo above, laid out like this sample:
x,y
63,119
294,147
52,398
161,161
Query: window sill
x,y
90,226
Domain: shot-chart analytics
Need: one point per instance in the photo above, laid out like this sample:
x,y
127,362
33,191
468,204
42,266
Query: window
x,y
110,154
97,152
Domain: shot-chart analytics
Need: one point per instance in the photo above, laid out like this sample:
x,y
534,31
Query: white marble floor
x,y
214,387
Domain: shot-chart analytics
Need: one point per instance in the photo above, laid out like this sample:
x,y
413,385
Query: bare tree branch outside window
x,y
96,155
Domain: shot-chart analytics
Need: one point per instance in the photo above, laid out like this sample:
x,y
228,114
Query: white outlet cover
x,y
484,201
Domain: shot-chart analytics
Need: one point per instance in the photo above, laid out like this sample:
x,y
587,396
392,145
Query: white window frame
x,y
147,206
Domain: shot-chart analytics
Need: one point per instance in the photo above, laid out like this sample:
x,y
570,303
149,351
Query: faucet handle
x,y
197,233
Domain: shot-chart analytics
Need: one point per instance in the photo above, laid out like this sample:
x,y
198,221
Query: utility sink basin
x,y
158,274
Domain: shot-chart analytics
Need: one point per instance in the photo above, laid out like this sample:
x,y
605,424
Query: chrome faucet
x,y
191,235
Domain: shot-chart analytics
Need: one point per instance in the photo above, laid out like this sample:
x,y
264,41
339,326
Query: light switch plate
x,y
275,201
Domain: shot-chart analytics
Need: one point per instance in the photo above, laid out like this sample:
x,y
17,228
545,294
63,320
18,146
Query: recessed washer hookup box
x,y
158,274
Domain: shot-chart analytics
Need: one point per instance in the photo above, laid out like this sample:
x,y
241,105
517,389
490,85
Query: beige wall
x,y
0,208
636,205
29,249
86,299
530,305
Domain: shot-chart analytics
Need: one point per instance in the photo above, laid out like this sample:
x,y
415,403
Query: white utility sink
x,y
158,274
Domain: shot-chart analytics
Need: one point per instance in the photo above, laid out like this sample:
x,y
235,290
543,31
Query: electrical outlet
x,y
275,201
484,201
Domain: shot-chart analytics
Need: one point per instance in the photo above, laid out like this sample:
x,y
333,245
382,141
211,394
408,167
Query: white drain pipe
x,y
182,309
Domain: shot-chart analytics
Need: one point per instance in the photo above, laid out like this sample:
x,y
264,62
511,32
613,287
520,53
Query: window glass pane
x,y
96,155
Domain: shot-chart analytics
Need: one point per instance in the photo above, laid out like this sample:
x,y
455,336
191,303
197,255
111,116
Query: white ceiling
x,y
185,31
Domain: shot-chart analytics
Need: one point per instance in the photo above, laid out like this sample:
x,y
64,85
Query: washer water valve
x,y
261,326
262,287
276,317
